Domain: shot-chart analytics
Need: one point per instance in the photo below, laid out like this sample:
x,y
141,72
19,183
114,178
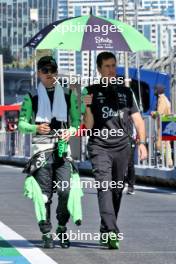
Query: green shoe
x,y
104,239
62,235
47,241
113,241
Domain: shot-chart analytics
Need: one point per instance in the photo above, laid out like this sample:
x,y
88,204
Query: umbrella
x,y
90,33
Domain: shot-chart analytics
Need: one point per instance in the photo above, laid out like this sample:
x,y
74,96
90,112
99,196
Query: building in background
x,y
20,20
78,62
167,7
152,20
62,9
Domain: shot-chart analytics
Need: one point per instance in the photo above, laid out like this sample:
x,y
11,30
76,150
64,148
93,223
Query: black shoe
x,y
63,236
47,241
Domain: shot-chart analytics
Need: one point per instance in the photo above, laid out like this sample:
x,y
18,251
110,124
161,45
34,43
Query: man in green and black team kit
x,y
108,108
43,113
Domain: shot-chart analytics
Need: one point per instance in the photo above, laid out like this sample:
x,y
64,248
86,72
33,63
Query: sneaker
x,y
104,239
130,191
113,241
47,241
62,235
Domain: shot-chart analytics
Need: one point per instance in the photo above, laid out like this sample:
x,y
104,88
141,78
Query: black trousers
x,y
109,165
130,177
56,170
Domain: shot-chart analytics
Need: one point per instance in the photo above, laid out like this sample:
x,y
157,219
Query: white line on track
x,y
6,262
10,167
148,252
27,249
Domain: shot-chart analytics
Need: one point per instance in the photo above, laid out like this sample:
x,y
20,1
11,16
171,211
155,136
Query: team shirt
x,y
112,107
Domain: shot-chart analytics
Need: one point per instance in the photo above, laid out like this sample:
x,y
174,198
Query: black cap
x,y
46,60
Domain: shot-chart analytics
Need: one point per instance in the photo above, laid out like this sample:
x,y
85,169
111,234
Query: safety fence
x,y
16,144
161,154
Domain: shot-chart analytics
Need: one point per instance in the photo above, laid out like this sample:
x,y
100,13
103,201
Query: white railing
x,y
15,144
155,158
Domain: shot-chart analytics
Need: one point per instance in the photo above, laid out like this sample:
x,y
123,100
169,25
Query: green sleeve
x,y
75,116
25,117
83,107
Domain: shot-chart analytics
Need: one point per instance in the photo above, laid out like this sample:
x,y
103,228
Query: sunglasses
x,y
46,70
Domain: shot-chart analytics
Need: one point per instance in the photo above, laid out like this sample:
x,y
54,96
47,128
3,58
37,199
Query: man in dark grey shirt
x,y
108,108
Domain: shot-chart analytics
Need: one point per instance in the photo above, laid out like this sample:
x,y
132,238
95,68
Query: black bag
x,y
37,161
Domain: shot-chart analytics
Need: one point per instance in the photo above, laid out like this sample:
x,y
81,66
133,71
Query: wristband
x,y
142,142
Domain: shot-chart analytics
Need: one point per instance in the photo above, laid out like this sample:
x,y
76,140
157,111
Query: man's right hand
x,y
43,128
88,99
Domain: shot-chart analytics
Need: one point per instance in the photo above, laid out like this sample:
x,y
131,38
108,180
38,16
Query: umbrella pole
x,y
139,84
90,13
127,83
89,66
138,59
35,68
127,80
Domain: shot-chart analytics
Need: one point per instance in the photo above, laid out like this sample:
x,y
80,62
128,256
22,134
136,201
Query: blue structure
x,y
148,80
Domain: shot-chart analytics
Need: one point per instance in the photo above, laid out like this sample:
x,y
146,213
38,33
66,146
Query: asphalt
x,y
147,221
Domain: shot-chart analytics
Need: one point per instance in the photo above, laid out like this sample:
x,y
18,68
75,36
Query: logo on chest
x,y
109,112
100,98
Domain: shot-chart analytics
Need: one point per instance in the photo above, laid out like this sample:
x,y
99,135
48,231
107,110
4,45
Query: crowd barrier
x,y
16,144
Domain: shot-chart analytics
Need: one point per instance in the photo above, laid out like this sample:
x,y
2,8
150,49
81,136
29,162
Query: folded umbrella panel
x,y
67,35
103,35
136,40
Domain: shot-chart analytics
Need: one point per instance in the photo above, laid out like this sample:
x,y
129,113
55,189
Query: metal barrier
x,y
15,144
157,158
